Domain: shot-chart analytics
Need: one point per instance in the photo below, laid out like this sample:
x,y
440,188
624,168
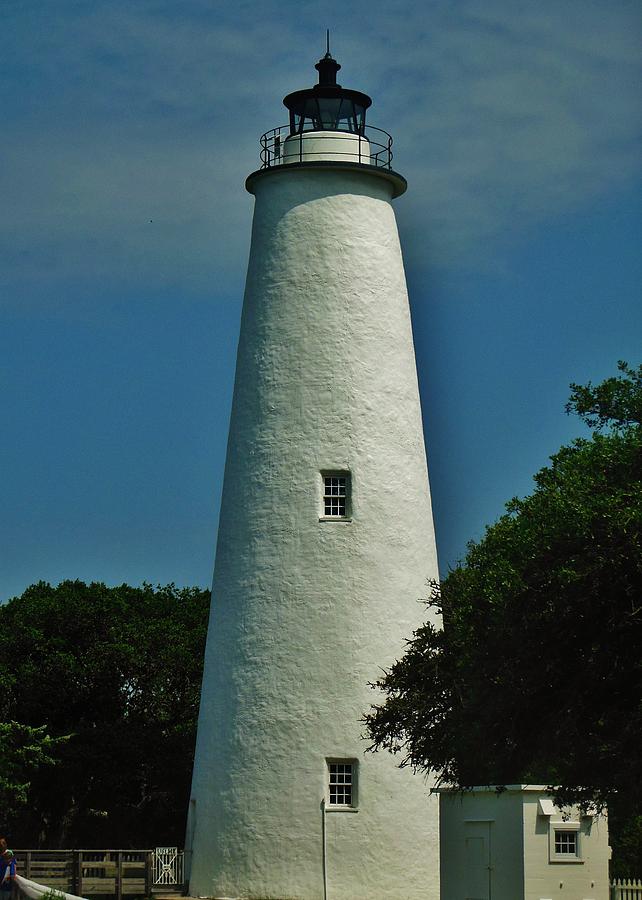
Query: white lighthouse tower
x,y
326,535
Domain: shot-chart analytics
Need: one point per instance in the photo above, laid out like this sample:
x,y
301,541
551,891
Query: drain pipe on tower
x,y
324,850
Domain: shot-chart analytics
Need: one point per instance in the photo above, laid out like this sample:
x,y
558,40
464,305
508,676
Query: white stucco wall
x,y
306,612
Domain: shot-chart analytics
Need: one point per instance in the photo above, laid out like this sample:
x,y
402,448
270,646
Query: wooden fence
x,y
126,873
88,873
626,889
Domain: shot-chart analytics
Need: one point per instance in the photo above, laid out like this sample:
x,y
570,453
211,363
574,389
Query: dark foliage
x,y
537,674
118,669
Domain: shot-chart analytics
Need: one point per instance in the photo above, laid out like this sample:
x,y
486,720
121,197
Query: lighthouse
x,y
326,536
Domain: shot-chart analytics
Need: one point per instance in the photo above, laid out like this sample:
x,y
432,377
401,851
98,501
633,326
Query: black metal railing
x,y
373,147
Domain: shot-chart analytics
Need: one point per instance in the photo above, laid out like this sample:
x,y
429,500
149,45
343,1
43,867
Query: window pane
x,y
336,489
566,842
340,784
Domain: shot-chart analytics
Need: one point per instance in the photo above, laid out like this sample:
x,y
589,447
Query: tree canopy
x,y
23,750
118,670
537,673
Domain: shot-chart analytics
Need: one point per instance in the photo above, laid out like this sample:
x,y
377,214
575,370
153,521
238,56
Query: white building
x,y
517,845
326,536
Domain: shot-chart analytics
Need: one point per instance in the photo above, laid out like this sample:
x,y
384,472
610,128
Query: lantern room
x,y
327,106
327,125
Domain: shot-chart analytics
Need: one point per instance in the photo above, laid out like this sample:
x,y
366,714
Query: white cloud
x,y
503,113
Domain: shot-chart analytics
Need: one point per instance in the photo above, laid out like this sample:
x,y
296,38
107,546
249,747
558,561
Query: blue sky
x,y
128,130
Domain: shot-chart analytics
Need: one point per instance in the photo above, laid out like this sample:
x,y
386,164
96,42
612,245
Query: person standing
x,y
7,869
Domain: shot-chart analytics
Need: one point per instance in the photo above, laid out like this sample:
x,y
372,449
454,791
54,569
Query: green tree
x,y
537,673
118,669
23,750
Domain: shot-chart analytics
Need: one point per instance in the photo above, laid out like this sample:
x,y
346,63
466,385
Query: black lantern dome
x,y
327,106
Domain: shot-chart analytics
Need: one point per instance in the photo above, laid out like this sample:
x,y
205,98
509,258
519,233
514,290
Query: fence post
x,y
148,873
119,875
28,864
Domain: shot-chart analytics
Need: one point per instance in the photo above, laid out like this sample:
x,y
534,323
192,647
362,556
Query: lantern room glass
x,y
337,113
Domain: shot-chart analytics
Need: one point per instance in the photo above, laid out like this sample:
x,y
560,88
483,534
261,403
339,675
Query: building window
x,y
342,784
336,495
564,842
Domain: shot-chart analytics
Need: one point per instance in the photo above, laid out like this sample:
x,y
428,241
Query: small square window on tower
x,y
336,495
342,784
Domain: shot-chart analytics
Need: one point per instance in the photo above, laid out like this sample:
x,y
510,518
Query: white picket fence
x,y
626,889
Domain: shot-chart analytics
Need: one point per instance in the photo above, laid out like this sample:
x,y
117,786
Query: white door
x,y
478,861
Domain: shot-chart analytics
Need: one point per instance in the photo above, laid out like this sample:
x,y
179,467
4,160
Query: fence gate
x,y
167,867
